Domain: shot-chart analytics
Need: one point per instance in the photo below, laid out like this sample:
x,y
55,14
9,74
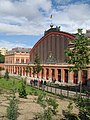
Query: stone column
x,y
70,77
17,69
20,60
88,73
39,74
44,74
10,69
31,72
14,69
50,73
22,71
24,60
62,75
56,73
80,76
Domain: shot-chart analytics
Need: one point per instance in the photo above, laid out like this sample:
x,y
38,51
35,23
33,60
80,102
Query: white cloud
x,y
62,1
73,17
32,16
9,45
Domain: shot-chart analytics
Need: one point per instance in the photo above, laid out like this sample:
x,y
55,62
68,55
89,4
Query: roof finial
x,y
51,25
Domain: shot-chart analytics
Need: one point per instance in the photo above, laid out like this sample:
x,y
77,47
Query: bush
x,y
68,115
49,105
53,105
22,90
42,100
12,109
46,115
6,76
84,108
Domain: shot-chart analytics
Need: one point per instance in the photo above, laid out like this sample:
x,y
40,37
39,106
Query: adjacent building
x,y
16,58
3,51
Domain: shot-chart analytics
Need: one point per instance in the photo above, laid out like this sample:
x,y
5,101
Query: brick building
x,y
50,49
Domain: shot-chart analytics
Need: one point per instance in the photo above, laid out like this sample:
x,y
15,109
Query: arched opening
x,y
84,77
75,77
66,76
59,75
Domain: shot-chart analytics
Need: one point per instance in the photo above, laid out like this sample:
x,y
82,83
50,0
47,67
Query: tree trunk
x,y
80,80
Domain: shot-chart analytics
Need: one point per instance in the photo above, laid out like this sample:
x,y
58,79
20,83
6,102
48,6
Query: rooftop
x,y
19,49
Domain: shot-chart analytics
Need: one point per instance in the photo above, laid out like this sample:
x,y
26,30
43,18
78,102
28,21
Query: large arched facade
x,y
50,48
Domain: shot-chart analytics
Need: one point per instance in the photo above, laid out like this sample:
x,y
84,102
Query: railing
x,y
61,92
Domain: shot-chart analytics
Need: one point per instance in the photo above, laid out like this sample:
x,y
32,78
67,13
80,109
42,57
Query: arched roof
x,y
50,33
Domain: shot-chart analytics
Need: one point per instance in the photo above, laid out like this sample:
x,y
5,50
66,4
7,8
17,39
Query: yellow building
x,y
3,51
17,58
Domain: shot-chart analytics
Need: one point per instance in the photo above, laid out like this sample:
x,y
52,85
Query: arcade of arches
x,y
59,73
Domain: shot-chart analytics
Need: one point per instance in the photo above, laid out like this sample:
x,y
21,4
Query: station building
x,y
50,49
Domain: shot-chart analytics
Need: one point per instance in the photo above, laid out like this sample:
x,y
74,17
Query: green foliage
x,y
46,115
37,67
2,58
68,115
12,108
22,90
53,105
8,85
35,93
84,108
79,55
6,76
28,68
42,100
49,105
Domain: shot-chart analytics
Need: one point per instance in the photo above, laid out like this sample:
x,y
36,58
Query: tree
x,y
28,69
37,67
79,55
22,90
12,109
84,108
6,76
2,58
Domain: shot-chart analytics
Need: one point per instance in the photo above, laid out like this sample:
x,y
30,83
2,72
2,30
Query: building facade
x,y
3,51
16,59
50,49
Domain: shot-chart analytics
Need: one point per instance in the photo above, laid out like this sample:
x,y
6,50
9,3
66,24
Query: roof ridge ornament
x,y
51,24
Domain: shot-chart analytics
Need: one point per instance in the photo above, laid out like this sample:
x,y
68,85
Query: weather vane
x,y
51,25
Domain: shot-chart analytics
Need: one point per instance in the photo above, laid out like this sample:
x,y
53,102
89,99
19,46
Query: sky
x,y
23,22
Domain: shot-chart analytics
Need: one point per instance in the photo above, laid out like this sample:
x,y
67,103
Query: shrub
x,y
84,108
53,105
6,76
68,115
12,109
22,90
49,105
42,100
46,115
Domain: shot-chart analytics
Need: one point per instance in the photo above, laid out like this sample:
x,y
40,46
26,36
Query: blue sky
x,y
23,22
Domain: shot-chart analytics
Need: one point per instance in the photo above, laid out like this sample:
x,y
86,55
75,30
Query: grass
x,y
15,83
9,84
